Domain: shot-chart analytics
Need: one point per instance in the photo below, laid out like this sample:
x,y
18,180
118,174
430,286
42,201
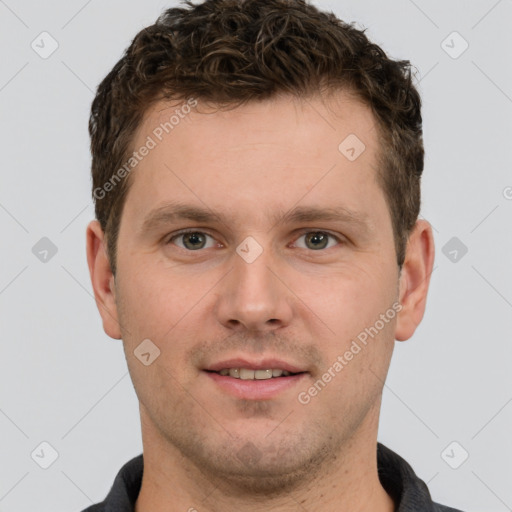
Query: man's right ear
x,y
102,279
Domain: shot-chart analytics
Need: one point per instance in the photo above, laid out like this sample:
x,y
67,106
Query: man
x,y
256,171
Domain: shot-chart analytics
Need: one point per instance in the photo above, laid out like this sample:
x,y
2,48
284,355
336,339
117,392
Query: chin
x,y
263,468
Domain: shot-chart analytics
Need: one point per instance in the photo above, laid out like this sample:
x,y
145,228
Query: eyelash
x,y
301,233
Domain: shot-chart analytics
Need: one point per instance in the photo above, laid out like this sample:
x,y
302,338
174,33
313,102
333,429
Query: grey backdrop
x,y
64,383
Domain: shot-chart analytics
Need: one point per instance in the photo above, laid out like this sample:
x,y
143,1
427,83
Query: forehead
x,y
282,150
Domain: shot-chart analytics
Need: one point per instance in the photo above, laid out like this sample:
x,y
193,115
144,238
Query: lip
x,y
264,364
254,389
264,389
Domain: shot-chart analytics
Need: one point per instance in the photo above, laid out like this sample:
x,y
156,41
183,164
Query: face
x,y
249,243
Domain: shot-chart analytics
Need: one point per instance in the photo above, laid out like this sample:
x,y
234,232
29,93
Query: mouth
x,y
251,374
246,380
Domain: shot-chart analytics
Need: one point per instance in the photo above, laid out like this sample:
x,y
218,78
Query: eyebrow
x,y
174,211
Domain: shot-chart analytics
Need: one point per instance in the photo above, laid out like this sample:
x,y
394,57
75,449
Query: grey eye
x,y
317,240
192,240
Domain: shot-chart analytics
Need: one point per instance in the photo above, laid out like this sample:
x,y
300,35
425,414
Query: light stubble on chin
x,y
274,464
243,468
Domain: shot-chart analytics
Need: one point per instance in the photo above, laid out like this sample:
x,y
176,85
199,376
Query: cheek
x,y
163,309
357,343
348,300
164,305
146,304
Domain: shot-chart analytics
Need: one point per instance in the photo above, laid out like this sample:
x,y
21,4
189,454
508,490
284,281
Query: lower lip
x,y
263,389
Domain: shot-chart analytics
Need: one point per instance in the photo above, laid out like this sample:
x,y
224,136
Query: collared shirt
x,y
397,477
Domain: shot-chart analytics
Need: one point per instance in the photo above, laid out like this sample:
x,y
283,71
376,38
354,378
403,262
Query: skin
x,y
295,302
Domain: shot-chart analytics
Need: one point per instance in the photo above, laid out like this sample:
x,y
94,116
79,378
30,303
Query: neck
x,y
346,480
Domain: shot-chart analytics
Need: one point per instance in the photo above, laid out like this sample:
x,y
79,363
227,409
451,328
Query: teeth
x,y
263,374
247,374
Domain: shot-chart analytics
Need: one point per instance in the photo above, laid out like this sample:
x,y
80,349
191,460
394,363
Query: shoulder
x,y
98,507
444,508
125,489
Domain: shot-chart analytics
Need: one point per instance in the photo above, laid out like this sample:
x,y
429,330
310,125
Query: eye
x,y
192,240
317,240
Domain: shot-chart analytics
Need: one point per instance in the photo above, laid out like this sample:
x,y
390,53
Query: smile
x,y
247,384
248,374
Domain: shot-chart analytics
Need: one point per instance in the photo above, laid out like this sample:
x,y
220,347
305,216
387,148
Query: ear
x,y
102,279
415,279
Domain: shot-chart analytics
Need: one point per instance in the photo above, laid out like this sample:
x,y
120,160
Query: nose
x,y
253,296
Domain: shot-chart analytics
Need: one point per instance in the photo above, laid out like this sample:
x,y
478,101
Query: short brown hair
x,y
230,52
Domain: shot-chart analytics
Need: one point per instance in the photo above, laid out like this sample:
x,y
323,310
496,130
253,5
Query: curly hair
x,y
230,52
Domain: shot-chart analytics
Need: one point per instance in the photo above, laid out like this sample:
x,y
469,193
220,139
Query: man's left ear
x,y
415,279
